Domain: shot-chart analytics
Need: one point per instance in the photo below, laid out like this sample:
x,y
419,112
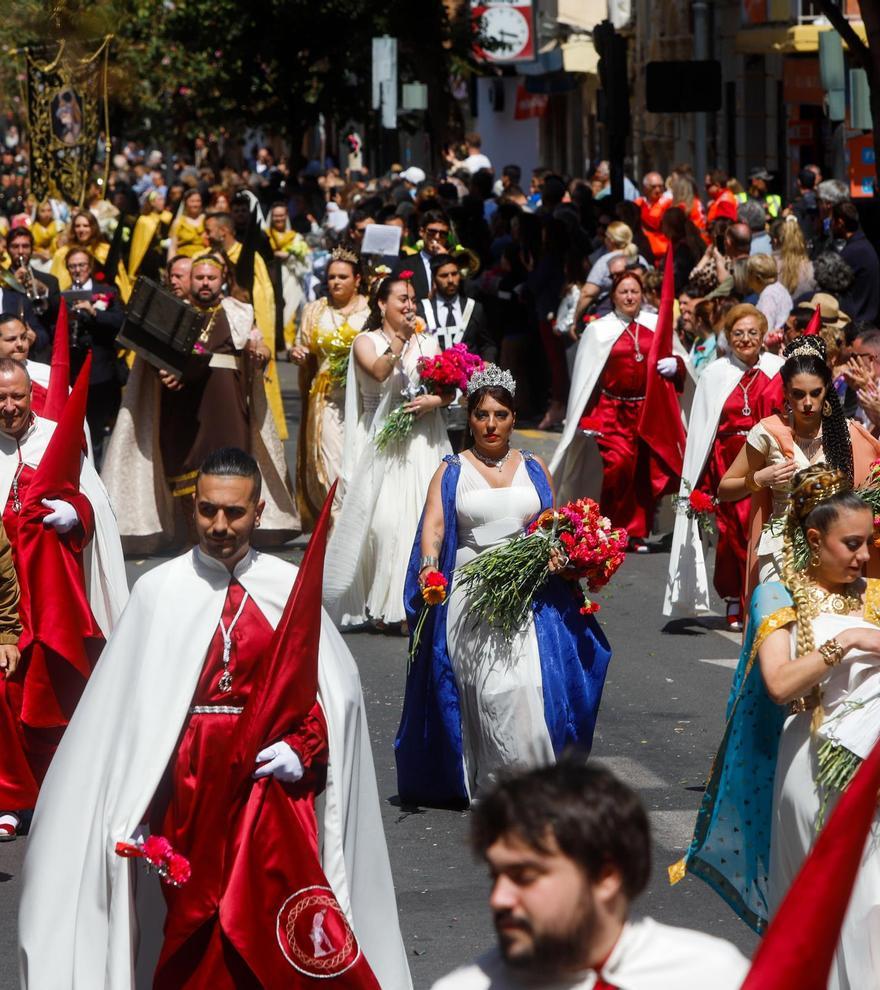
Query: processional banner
x,y
67,106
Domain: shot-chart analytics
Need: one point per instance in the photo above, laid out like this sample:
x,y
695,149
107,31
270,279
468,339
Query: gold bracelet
x,y
751,484
832,652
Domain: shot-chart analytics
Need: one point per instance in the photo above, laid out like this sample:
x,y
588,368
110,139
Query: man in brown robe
x,y
169,424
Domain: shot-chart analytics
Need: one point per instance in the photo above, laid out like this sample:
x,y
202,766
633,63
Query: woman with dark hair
x,y
322,350
812,429
479,701
793,718
728,402
608,388
383,491
687,245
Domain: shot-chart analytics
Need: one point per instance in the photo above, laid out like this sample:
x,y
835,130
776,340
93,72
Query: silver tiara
x,y
491,377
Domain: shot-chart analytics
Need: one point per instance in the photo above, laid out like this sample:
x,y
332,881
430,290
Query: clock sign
x,y
506,31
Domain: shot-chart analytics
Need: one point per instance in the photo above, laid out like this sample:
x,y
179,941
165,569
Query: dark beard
x,y
556,953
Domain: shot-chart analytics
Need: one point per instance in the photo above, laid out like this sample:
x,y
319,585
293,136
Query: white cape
x,y
106,583
647,956
132,468
77,925
687,584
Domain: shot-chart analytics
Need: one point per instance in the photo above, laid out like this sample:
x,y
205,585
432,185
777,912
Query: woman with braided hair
x,y
811,429
799,721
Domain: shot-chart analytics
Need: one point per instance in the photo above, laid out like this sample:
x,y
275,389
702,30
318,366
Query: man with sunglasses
x,y
434,231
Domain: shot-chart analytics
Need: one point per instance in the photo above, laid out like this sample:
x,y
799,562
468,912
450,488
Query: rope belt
x,y
622,398
216,709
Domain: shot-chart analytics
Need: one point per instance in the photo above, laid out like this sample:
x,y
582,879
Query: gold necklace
x,y
838,602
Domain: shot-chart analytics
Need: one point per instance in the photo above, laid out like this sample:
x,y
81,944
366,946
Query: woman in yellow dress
x,y
46,230
147,254
291,253
188,230
322,351
84,233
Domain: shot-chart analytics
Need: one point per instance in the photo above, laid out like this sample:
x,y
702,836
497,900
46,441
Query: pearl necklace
x,y
490,462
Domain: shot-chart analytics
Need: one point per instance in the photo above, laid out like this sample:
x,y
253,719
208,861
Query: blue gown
x,y
574,659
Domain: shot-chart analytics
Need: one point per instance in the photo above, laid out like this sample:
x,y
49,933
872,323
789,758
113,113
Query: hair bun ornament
x,y
814,485
491,377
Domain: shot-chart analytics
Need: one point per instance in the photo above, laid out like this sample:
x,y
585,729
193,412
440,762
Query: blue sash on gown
x,y
574,657
730,848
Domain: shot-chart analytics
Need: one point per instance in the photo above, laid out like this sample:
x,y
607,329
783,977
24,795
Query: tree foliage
x,y
181,66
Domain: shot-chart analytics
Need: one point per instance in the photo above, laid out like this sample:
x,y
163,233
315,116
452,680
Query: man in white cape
x,y
78,924
687,584
568,850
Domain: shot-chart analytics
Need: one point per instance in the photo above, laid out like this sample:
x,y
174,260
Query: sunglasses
x,y
438,232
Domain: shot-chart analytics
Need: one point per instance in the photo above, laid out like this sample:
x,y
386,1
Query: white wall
x,y
507,141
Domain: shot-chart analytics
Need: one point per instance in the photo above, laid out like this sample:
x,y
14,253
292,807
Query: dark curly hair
x,y
806,356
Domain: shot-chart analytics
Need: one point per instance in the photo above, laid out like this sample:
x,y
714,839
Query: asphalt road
x,y
659,724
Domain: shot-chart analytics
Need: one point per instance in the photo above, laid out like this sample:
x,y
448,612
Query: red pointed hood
x,y
797,951
58,471
815,324
59,376
287,684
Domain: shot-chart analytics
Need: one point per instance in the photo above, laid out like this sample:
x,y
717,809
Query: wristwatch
x,y
389,353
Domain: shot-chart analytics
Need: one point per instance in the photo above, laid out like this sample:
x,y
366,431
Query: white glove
x,y
668,367
283,763
63,515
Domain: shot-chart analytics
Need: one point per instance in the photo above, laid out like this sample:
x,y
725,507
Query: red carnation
x,y
157,849
405,274
179,870
99,276
701,502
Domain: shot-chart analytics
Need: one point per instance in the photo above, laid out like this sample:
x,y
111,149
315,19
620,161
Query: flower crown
x,y
491,377
343,254
818,484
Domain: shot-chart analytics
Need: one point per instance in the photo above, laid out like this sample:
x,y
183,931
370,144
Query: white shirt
x,y
648,956
473,163
443,308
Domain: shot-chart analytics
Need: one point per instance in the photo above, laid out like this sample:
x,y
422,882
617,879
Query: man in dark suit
x,y
451,315
434,230
861,301
455,319
39,309
94,324
46,292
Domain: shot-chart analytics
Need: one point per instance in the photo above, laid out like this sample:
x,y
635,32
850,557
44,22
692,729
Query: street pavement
x,y
658,727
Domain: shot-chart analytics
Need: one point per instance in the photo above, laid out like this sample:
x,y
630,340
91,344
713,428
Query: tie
x,y
450,316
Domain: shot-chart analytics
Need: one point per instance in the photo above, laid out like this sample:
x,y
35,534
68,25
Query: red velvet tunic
x,y
732,518
627,497
206,958
37,702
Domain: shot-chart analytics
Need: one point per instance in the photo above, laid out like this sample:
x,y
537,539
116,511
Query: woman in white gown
x,y
479,701
817,642
383,491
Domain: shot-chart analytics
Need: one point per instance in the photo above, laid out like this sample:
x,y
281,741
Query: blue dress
x,y
430,748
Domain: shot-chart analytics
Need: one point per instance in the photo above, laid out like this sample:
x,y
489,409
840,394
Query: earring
x,y
814,559
826,409
787,407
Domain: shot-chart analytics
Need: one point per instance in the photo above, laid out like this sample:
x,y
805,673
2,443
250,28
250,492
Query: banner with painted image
x,y
67,107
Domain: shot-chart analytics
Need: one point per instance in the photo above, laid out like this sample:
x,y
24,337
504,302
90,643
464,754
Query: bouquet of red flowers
x,y
433,593
697,505
503,582
451,369
156,852
447,371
